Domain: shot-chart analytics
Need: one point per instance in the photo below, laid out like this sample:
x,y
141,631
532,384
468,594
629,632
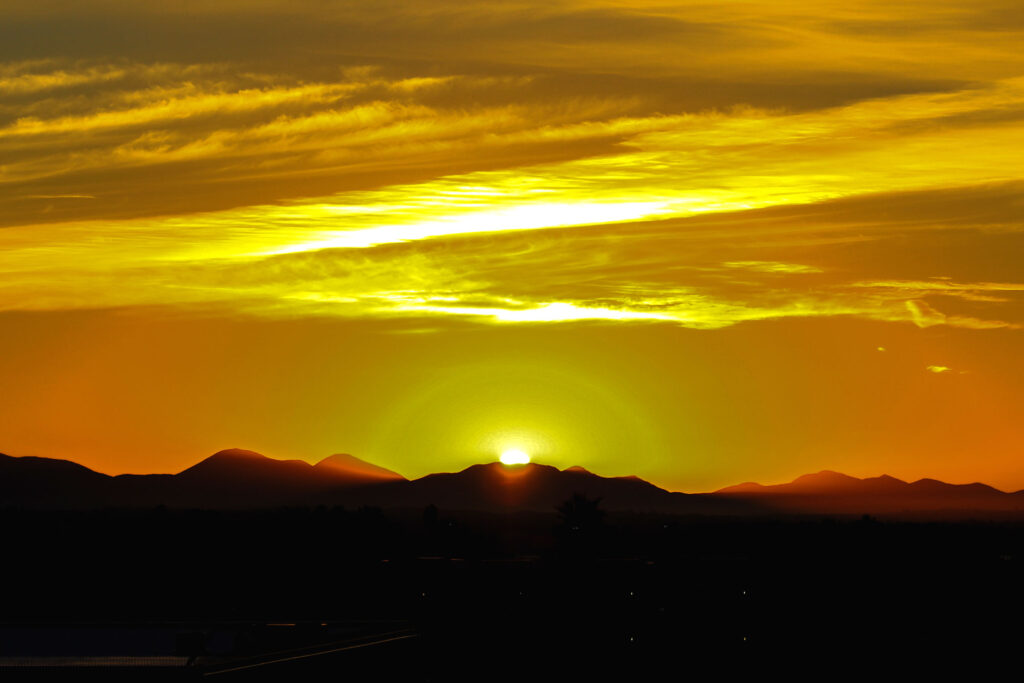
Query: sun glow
x,y
514,457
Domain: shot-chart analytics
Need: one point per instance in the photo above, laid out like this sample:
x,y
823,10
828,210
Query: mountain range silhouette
x,y
241,479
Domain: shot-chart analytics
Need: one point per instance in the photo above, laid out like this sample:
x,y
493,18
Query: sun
x,y
514,456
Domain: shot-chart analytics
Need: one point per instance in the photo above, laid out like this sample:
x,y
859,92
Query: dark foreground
x,y
428,596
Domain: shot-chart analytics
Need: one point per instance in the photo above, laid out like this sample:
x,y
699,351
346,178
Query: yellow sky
x,y
696,242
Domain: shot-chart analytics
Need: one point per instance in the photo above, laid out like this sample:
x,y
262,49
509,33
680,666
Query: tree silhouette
x,y
582,526
581,515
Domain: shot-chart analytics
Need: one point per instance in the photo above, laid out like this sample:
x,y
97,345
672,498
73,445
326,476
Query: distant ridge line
x,y
242,479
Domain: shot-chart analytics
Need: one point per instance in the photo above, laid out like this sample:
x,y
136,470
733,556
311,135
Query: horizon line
x,y
497,462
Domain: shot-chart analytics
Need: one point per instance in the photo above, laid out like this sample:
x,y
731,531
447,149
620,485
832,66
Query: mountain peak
x,y
824,480
343,463
240,463
237,454
498,471
886,478
745,487
826,475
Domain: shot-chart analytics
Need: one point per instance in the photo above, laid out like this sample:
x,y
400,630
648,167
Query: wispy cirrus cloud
x,y
676,275
771,267
239,182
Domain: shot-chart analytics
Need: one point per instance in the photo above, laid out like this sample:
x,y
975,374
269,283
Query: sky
x,y
697,242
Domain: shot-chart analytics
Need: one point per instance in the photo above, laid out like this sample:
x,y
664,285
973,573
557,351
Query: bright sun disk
x,y
514,457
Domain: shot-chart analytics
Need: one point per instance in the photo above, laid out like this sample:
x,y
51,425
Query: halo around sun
x,y
514,456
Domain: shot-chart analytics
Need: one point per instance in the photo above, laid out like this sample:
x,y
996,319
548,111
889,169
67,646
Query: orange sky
x,y
701,243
